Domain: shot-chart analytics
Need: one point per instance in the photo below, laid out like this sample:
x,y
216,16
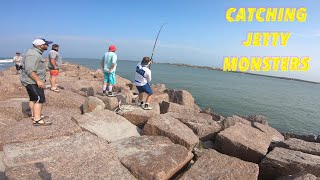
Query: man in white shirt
x,y
142,80
18,62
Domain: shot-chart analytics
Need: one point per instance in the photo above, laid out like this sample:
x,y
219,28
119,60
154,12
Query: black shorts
x,y
18,67
35,93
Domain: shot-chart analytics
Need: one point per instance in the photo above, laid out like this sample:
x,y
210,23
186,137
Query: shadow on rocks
x,y
44,174
3,176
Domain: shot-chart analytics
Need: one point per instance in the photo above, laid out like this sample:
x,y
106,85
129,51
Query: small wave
x,y
6,61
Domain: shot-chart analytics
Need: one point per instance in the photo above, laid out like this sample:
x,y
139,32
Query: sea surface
x,y
290,106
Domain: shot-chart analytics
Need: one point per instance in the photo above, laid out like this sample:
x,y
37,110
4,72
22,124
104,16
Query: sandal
x,y
42,117
55,90
41,122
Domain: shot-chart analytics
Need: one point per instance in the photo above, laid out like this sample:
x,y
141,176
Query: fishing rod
x,y
154,46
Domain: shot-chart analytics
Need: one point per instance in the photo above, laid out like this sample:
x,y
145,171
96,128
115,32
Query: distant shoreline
x,y
220,69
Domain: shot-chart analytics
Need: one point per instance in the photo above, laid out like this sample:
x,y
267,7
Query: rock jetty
x,y
176,140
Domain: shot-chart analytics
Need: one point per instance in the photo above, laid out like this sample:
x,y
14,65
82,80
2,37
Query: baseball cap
x,y
40,41
112,48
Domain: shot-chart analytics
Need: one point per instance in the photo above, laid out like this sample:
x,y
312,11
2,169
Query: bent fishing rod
x,y
154,46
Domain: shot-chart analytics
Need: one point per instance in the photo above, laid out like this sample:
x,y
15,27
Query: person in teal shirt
x,y
109,66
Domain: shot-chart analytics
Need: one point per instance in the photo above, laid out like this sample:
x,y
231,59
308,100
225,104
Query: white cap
x,y
39,42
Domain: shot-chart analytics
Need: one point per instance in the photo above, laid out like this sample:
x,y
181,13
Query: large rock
x,y
125,96
152,157
181,97
276,135
301,145
201,124
158,87
24,131
138,116
6,121
15,108
108,125
244,142
299,176
174,107
93,104
81,156
176,131
231,121
111,103
305,137
283,162
214,165
11,87
64,99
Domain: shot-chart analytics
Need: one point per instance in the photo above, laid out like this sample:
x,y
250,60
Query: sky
x,y
196,31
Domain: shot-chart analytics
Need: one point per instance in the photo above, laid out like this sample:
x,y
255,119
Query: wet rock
x,y
214,165
276,135
24,131
81,156
93,104
152,157
244,142
176,131
108,125
283,162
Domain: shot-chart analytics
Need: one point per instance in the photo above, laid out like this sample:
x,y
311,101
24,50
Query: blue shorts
x,y
146,88
110,78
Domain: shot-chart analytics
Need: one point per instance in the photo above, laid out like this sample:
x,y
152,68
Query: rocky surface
x,y
301,145
76,146
201,124
24,131
283,162
176,131
299,176
81,156
138,116
93,104
214,165
244,142
2,167
108,125
276,135
152,157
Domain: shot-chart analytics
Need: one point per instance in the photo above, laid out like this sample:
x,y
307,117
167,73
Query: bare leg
x,y
37,111
52,82
31,105
149,98
140,97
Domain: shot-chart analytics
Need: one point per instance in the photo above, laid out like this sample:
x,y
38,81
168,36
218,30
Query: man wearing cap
x,y
33,77
109,66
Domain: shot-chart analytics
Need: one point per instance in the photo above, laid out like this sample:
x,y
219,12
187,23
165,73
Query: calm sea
x,y
290,106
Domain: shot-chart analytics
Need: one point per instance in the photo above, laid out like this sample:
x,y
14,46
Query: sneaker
x,y
147,107
110,94
141,104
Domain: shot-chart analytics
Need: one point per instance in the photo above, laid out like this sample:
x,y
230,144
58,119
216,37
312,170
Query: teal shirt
x,y
108,59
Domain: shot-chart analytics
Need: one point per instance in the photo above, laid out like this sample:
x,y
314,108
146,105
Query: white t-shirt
x,y
17,60
143,75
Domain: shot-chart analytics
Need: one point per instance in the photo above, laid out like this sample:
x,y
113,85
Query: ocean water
x,y
290,106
